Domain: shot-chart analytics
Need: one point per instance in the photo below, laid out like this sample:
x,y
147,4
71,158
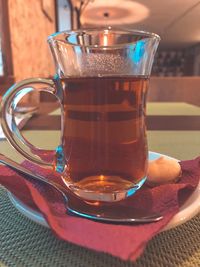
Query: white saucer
x,y
187,211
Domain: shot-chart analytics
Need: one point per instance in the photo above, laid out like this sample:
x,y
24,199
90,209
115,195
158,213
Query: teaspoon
x,y
80,208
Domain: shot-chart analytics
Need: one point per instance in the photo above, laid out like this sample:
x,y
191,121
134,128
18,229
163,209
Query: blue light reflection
x,y
138,52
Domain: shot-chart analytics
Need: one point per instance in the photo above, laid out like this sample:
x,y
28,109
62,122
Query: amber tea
x,y
104,140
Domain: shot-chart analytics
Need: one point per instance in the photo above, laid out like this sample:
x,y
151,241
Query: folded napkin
x,y
124,241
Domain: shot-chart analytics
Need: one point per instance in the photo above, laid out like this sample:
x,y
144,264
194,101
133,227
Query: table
x,y
24,243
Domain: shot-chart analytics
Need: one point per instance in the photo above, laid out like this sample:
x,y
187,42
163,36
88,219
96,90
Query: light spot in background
x,y
115,12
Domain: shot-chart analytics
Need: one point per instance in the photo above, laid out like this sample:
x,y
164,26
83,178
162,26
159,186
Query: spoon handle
x,y
28,175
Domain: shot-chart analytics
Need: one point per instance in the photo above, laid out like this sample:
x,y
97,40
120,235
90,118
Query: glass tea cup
x,y
101,82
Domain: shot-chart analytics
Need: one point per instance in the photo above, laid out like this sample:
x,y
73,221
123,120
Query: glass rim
x,y
142,33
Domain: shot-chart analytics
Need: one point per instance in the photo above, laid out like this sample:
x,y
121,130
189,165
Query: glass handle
x,y
9,126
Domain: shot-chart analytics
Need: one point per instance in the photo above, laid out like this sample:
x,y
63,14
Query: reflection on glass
x,y
1,60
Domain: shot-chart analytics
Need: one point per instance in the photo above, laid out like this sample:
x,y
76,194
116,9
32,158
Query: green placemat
x,y
170,108
25,243
164,108
179,144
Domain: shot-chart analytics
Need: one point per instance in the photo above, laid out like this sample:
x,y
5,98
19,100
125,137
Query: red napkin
x,y
124,241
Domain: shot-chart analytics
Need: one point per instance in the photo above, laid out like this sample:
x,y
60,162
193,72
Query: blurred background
x,y
25,25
